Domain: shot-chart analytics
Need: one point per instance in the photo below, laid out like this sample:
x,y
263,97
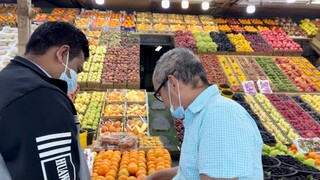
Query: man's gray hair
x,y
185,65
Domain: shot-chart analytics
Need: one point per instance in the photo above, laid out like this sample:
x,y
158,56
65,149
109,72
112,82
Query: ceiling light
x,y
315,2
165,4
291,1
251,8
205,5
158,48
185,4
100,2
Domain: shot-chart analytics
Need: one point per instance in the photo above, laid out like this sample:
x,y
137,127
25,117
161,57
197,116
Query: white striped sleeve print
x,y
53,144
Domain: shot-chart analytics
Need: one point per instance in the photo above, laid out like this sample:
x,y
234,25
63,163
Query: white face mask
x,y
179,112
72,82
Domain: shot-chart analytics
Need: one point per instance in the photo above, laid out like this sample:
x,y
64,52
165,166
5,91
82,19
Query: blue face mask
x,y
72,82
179,112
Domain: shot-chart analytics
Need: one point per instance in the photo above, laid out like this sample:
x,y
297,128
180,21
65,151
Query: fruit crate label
x,y
264,86
249,87
89,158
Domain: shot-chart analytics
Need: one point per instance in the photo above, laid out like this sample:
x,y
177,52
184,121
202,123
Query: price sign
x,y
264,86
249,87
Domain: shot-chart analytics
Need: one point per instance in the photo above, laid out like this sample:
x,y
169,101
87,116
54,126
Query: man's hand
x,y
166,174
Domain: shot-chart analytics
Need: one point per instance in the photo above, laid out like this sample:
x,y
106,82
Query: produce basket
x,y
115,96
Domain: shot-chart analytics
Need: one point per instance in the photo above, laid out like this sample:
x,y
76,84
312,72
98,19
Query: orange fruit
x,y
159,159
133,160
160,164
151,166
112,173
141,177
140,171
123,166
158,153
124,172
152,158
151,170
132,168
312,155
114,167
103,169
317,161
108,177
167,166
94,174
141,164
123,177
132,178
159,168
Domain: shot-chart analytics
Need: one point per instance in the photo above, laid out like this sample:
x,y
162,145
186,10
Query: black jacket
x,y
38,133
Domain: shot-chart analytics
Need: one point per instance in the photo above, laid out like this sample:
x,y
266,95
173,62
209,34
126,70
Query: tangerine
x,y
132,168
159,168
108,177
123,177
141,177
132,178
124,172
140,171
103,169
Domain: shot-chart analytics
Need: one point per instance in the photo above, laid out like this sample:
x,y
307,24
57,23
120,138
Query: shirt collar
x,y
202,99
40,68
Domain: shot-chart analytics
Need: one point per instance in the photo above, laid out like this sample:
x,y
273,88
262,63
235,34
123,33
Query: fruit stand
x,y
116,113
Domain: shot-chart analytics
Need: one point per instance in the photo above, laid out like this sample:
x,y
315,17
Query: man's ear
x,y
62,53
173,81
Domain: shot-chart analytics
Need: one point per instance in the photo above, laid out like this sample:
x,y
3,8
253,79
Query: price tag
x,y
249,87
89,157
264,86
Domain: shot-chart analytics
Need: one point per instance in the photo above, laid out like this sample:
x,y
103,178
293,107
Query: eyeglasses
x,y
156,94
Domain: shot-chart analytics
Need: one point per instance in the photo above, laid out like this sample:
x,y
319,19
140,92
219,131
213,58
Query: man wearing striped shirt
x,y
221,140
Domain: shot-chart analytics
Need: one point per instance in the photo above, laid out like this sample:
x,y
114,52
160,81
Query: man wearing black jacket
x,y
38,124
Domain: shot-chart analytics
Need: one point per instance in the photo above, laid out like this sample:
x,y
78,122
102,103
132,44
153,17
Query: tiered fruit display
x,y
194,28
160,18
232,21
241,44
111,125
245,21
266,120
210,28
213,69
175,19
251,29
309,105
270,22
275,75
278,150
184,39
143,26
93,67
273,110
136,110
112,39
220,21
237,70
136,126
312,100
206,20
128,21
309,27
248,69
308,69
177,27
192,19
150,142
237,28
280,41
227,68
267,137
158,159
106,165
299,119
133,165
263,28
138,96
256,21
115,96
290,27
144,17
160,27
296,75
204,42
98,23
223,42
257,43
90,117
224,28
114,110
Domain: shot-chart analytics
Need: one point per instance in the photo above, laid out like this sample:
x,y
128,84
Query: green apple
x,y
266,148
299,156
274,153
309,162
283,148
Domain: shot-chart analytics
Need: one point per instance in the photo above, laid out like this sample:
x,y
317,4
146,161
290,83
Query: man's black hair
x,y
58,33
